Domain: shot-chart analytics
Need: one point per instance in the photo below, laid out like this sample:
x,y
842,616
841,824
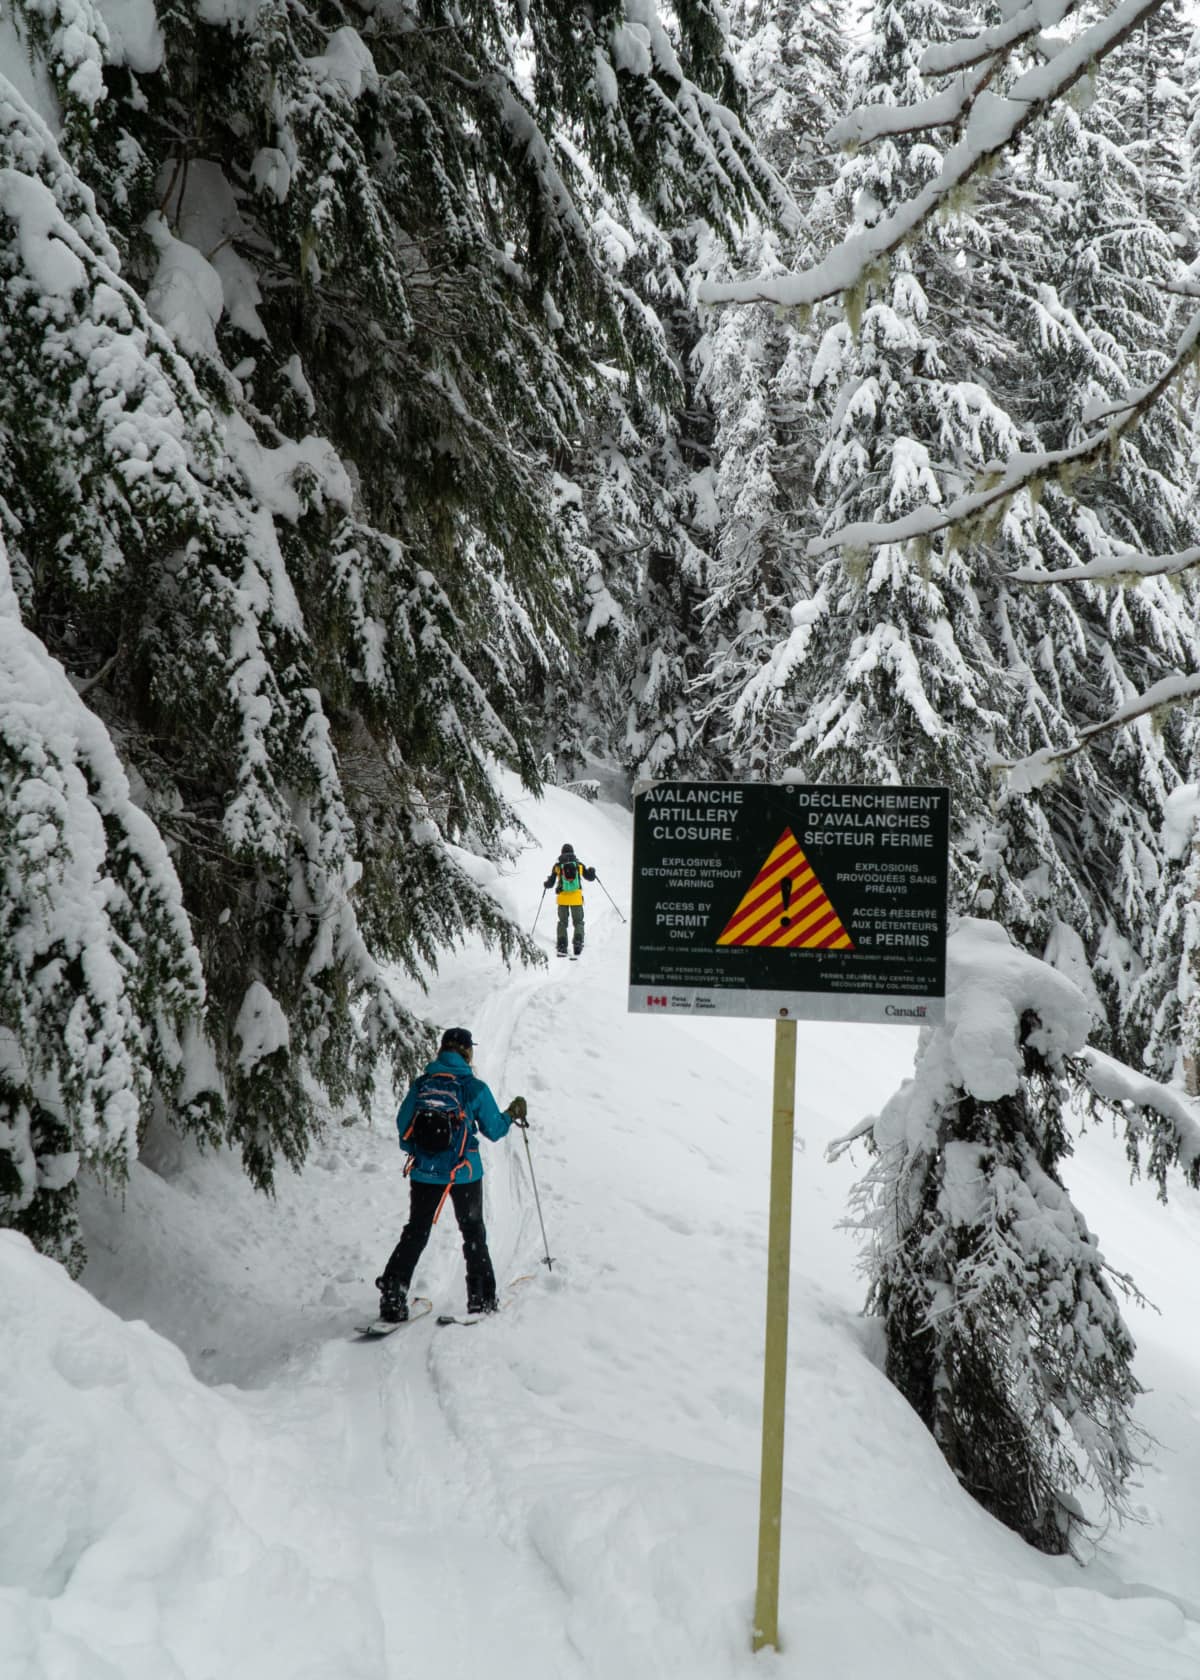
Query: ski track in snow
x,y
569,1490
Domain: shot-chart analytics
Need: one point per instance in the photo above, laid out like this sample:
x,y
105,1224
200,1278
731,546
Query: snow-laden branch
x,y
941,110
1124,564
1113,1082
995,122
1026,774
944,57
1020,471
984,54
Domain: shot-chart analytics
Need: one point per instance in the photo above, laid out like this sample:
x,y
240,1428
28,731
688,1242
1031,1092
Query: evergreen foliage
x,y
639,487
1096,309
910,660
1166,1000
635,514
1003,1331
100,982
308,306
753,371
883,672
1006,328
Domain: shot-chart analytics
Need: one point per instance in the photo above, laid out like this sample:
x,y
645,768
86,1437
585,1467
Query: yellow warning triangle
x,y
786,906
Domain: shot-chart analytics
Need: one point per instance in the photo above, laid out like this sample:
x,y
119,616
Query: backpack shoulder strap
x,y
461,1159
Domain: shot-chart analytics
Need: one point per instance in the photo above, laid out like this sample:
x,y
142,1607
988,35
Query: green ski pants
x,y
573,912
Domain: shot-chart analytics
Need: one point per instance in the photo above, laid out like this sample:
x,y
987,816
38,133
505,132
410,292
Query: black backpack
x,y
439,1124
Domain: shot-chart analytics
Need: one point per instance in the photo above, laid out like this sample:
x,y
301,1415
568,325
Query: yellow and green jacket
x,y
572,894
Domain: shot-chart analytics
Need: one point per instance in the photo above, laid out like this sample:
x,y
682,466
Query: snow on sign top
x,y
819,903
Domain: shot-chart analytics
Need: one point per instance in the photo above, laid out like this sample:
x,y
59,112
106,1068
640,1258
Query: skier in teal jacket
x,y
455,1172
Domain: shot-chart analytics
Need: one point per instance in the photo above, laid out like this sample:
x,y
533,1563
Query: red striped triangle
x,y
785,906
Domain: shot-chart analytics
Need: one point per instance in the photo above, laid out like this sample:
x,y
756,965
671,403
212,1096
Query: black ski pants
x,y
575,913
468,1210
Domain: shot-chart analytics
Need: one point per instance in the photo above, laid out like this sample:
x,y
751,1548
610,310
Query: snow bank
x,y
154,1530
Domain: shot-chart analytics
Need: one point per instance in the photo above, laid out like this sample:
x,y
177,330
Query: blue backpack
x,y
439,1126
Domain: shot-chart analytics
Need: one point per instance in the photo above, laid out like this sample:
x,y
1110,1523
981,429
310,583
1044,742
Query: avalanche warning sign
x,y
811,902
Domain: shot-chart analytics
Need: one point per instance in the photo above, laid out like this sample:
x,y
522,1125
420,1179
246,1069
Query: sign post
x,y
779,1255
795,902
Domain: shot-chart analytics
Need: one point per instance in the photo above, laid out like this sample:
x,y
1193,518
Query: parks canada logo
x,y
916,1014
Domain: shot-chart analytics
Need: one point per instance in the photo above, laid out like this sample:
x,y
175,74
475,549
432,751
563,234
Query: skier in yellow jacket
x,y
567,878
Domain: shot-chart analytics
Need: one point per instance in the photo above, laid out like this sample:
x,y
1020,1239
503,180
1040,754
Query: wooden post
x,y
779,1256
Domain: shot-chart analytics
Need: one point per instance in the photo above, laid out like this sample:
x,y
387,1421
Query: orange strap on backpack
x,y
454,1172
458,1165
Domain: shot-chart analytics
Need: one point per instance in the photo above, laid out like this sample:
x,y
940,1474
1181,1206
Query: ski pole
x,y
537,1199
541,901
608,895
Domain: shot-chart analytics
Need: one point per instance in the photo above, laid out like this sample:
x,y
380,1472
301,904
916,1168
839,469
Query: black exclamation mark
x,y
785,890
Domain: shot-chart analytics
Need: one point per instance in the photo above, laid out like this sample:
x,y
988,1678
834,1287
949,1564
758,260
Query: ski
x,y
477,1318
381,1327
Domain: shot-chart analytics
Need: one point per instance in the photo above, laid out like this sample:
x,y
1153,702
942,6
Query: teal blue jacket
x,y
483,1115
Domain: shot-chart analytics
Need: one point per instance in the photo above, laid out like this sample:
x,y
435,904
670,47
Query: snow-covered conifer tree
x,y
972,345
634,511
144,561
637,492
100,980
304,310
1003,1330
1165,1022
907,662
883,673
1021,316
1090,297
752,369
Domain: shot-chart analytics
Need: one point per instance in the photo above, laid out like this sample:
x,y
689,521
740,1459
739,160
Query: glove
x,y
516,1111
547,884
589,874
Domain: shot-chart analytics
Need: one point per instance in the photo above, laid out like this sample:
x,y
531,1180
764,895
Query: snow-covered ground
x,y
203,1477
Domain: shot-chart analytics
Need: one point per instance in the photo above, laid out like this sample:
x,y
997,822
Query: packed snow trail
x,y
570,1489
